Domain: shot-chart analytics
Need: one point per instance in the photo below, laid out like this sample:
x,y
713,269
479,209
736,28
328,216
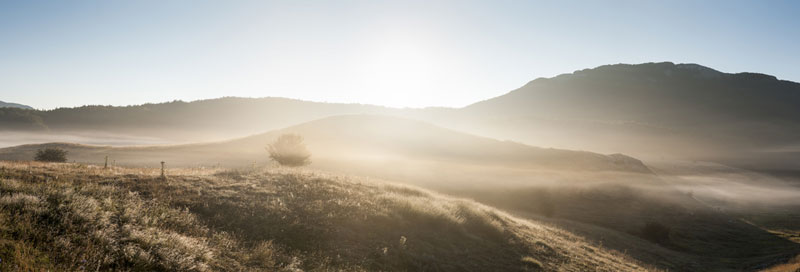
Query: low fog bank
x,y
708,181
708,184
8,139
684,216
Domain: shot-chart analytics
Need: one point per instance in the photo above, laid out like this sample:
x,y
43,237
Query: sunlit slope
x,y
701,237
718,218
70,217
658,109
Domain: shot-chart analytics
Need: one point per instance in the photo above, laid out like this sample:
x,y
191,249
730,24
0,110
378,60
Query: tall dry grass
x,y
70,217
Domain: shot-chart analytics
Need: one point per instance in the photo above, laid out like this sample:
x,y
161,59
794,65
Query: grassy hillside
x,y
715,218
608,199
697,237
72,217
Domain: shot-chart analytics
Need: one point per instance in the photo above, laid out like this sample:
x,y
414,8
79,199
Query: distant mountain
x,y
211,119
13,105
652,109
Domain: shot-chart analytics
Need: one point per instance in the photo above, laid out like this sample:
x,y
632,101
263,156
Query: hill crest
x,y
14,105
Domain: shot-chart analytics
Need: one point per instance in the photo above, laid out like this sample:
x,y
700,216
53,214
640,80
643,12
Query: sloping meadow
x,y
73,217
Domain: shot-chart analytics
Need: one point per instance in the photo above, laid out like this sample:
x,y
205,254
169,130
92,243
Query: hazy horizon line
x,y
375,104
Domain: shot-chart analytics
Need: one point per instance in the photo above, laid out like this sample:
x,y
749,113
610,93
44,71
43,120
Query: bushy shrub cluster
x,y
51,154
289,150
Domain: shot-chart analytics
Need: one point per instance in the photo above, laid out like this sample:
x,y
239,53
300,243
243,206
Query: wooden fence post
x,y
163,175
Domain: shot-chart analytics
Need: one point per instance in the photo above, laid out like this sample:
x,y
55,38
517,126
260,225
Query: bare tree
x,y
289,150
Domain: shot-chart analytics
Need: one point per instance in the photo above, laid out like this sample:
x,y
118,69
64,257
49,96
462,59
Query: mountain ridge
x,y
14,105
685,110
691,110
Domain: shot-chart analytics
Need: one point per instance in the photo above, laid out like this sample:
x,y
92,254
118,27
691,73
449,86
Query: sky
x,y
392,53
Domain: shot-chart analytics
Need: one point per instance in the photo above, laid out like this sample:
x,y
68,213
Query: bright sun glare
x,y
403,70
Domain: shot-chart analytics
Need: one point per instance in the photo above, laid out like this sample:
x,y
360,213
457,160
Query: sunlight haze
x,y
356,135
399,54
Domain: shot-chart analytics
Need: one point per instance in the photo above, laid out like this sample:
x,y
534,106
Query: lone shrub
x,y
289,150
51,155
656,232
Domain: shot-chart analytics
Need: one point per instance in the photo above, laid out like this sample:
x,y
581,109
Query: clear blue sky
x,y
398,53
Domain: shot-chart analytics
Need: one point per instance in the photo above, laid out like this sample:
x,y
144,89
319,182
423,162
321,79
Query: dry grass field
x,y
72,217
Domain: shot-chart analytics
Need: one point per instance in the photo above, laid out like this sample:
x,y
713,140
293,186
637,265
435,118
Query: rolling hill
x,y
374,145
